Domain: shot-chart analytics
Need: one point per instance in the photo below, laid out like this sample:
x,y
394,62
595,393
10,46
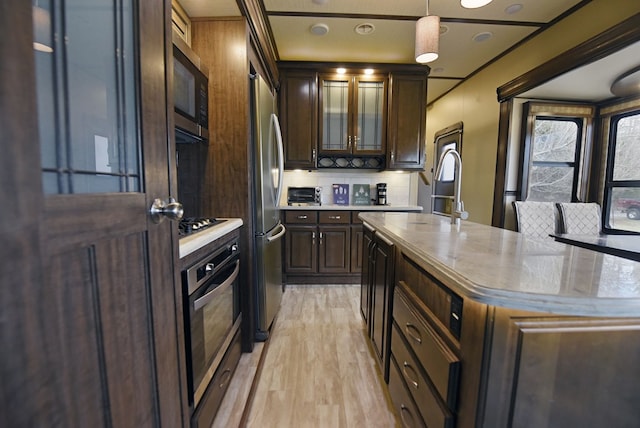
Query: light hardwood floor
x,y
320,362
319,370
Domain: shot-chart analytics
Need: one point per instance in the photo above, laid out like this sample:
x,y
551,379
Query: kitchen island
x,y
486,327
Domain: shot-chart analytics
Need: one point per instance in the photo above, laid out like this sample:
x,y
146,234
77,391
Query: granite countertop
x,y
504,268
191,243
353,207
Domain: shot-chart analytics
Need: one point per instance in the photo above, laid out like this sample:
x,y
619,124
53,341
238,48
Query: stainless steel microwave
x,y
190,94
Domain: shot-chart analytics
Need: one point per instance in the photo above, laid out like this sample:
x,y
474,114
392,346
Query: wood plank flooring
x,y
319,370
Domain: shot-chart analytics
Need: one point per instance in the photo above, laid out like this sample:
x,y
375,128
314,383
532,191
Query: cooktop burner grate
x,y
191,225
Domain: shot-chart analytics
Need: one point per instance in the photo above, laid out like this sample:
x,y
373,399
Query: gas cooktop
x,y
192,225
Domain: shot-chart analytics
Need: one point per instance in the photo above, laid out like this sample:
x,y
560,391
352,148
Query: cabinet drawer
x,y
440,363
207,408
401,399
430,405
335,217
301,217
354,217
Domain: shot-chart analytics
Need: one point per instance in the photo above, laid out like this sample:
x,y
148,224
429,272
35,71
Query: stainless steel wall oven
x,y
212,314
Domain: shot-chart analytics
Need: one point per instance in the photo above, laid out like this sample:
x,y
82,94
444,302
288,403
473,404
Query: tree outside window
x,y
552,174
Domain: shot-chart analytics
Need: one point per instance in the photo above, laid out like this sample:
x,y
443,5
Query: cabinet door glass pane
x,y
335,100
369,125
85,76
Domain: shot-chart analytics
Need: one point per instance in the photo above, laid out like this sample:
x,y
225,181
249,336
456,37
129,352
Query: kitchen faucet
x,y
457,211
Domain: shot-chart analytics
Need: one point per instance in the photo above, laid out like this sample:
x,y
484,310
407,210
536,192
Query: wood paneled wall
x,y
228,172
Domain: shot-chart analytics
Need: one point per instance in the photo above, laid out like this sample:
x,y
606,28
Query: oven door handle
x,y
202,301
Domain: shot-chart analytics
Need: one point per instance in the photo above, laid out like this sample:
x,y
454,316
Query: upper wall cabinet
x,y
353,120
353,114
407,122
299,118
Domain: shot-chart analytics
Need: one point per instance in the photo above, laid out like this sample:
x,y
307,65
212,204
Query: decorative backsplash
x,y
401,186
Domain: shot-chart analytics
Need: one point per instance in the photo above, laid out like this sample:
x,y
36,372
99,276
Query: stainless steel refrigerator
x,y
269,231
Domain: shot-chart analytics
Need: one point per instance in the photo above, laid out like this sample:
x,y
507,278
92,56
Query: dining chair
x,y
536,219
579,218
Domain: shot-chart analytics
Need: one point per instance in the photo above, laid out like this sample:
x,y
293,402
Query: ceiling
x,y
392,38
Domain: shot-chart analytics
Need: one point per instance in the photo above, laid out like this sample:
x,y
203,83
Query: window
x,y
553,138
622,188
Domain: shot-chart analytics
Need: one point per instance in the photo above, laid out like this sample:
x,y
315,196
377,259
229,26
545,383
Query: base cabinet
x,y
319,247
455,362
204,416
377,287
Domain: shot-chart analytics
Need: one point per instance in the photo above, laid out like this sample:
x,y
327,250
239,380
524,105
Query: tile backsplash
x,y
401,186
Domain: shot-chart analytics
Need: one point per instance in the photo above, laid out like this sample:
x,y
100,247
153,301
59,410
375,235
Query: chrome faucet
x,y
457,210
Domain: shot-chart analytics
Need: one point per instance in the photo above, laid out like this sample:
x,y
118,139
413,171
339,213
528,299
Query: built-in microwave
x,y
190,94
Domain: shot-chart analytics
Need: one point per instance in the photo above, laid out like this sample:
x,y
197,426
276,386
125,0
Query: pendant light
x,y
427,38
473,4
41,29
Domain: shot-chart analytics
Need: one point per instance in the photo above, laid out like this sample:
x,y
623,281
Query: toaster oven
x,y
304,195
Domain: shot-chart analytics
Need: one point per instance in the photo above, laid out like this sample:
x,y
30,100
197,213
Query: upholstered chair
x,y
579,218
536,219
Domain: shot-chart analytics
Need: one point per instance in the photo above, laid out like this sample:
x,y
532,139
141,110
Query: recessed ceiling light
x,y
368,71
482,37
341,70
320,1
319,29
514,8
438,70
365,29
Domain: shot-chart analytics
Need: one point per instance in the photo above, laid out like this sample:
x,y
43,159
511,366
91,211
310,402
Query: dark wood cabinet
x,y
353,120
365,279
299,118
407,121
318,246
334,249
377,286
353,110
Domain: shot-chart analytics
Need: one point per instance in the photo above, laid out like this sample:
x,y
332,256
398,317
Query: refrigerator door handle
x,y
276,128
278,235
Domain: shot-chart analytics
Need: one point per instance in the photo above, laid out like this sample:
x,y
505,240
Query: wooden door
x,y
407,121
382,272
356,248
365,277
334,249
91,318
301,250
299,119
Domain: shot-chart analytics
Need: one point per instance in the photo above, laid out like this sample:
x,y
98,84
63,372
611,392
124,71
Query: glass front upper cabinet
x,y
353,114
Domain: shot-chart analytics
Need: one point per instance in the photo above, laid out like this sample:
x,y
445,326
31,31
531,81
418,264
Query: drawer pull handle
x,y
406,366
303,217
404,411
413,332
334,217
224,377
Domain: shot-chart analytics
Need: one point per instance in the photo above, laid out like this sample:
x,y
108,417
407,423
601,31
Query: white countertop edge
x,y
191,243
513,299
328,207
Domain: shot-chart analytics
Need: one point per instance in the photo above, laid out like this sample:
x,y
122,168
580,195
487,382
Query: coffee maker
x,y
381,198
